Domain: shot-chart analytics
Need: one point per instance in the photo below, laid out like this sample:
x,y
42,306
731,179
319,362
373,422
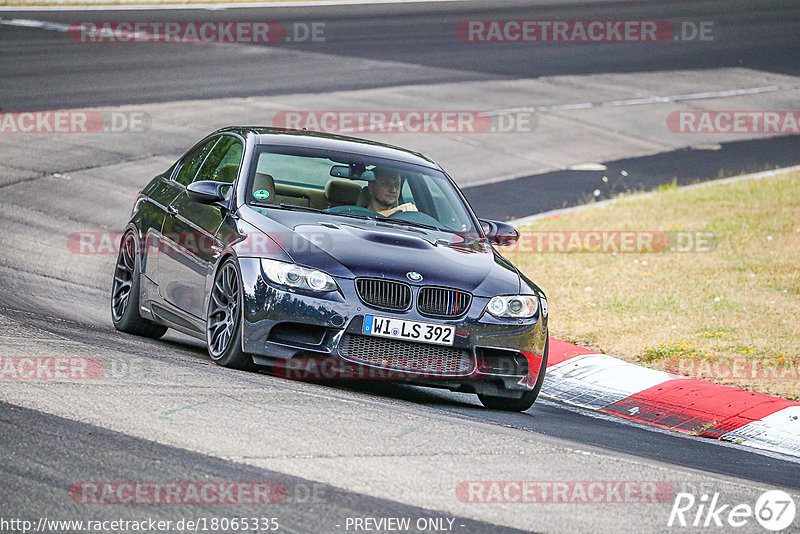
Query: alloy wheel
x,y
223,310
123,276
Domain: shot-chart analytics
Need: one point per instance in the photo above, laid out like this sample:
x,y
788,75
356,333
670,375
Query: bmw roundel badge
x,y
414,276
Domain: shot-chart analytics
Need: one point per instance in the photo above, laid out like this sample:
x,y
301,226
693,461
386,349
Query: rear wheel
x,y
523,402
125,292
223,323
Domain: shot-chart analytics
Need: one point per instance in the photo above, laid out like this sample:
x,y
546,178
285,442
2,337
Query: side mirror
x,y
499,233
206,191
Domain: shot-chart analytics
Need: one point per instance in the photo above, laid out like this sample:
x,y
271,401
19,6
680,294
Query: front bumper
x,y
313,336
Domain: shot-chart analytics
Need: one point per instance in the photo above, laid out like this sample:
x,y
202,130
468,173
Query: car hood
x,y
352,248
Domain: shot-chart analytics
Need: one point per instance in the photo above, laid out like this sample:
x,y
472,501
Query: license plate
x,y
438,334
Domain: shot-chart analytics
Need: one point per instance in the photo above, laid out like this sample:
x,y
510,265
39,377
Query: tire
x,y
527,398
224,319
125,292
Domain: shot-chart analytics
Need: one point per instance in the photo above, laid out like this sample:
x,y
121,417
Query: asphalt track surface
x,y
44,73
45,454
304,506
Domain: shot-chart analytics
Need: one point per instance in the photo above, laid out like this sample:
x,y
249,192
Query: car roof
x,y
265,135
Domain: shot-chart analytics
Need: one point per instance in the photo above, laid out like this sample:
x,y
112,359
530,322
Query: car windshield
x,y
358,186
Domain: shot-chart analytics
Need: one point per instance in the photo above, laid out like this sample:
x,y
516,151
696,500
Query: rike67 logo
x,y
774,510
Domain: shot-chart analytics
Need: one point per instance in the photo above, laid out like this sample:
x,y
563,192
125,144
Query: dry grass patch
x,y
730,315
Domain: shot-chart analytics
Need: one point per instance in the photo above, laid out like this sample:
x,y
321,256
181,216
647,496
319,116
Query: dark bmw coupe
x,y
323,256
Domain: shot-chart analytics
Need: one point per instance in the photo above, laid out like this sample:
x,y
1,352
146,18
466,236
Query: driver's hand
x,y
408,206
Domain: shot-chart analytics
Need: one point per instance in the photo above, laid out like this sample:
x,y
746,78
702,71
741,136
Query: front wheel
x,y
526,400
223,322
125,292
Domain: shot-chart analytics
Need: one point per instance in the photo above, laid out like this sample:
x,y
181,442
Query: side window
x,y
192,161
222,164
446,212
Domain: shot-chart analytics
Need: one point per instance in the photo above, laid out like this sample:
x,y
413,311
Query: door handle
x,y
172,210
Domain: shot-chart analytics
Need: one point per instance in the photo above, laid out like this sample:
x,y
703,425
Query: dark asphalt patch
x,y
513,199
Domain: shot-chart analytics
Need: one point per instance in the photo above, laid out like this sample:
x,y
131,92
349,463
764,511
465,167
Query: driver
x,y
384,192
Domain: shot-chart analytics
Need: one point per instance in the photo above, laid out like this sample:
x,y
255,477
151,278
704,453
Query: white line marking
x,y
588,167
41,24
643,101
212,6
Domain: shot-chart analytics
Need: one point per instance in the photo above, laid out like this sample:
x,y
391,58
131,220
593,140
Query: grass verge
x,y
725,310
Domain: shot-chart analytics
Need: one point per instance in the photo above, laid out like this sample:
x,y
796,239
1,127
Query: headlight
x,y
518,306
292,275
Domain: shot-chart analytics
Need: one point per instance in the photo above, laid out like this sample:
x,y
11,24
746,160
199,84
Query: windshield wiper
x,y
283,206
299,208
403,222
382,218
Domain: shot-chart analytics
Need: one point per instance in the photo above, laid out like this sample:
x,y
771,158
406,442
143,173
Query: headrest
x,y
342,192
364,198
264,187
